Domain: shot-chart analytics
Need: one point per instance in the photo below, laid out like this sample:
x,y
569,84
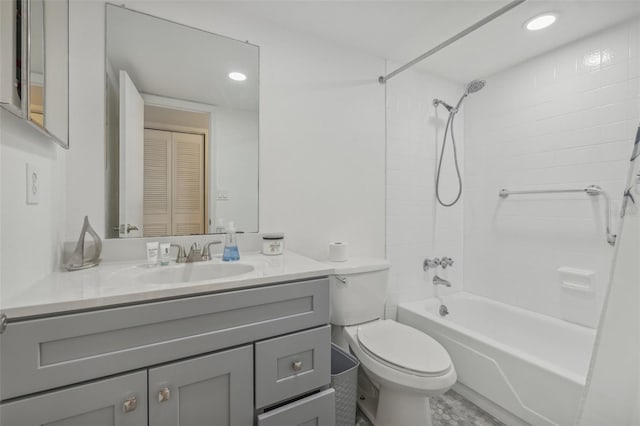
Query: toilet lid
x,y
404,347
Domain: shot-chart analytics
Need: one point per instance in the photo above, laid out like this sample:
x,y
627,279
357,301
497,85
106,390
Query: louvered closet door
x,y
157,182
188,184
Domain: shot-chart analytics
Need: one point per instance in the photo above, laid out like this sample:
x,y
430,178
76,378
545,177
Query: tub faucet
x,y
440,281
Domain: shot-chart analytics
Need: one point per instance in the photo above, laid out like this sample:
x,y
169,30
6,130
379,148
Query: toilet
x,y
404,365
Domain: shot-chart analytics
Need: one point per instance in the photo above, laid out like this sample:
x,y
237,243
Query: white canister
x,y
273,244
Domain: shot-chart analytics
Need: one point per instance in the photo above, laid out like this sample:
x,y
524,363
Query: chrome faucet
x,y
440,281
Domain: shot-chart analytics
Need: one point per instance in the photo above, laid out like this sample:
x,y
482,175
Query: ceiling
x,y
402,30
153,53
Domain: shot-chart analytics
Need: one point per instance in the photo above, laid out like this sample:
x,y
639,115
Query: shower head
x,y
475,86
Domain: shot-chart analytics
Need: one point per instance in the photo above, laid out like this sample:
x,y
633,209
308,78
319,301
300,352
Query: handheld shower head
x,y
475,86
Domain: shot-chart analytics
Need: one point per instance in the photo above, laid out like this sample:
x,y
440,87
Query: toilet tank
x,y
358,290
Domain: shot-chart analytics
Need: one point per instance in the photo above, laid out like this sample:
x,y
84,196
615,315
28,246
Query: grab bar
x,y
592,190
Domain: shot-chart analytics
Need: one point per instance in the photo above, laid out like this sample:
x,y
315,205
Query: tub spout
x,y
440,281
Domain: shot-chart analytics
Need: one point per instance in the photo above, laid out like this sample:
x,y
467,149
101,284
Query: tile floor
x,y
451,409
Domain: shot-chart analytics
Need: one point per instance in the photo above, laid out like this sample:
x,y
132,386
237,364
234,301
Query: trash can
x,y
344,380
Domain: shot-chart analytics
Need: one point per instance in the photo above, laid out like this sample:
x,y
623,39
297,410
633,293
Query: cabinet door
x,y
214,390
119,401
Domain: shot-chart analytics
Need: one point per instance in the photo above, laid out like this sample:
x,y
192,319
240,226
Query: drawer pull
x,y
296,365
130,404
164,394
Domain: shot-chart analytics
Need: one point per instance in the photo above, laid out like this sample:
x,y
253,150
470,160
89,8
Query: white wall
x,y
321,118
564,119
30,235
417,227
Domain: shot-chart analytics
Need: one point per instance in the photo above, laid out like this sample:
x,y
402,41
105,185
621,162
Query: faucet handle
x,y
430,263
206,249
446,262
182,255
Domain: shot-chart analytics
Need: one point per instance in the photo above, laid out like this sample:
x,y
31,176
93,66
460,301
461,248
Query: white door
x,y
131,158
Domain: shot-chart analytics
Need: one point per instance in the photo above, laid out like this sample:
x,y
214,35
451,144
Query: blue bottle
x,y
231,252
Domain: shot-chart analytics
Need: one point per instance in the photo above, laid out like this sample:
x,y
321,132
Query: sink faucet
x,y
197,255
440,281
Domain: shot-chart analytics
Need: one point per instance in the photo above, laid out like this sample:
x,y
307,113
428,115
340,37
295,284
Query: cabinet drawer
x,y
118,401
47,353
316,410
291,365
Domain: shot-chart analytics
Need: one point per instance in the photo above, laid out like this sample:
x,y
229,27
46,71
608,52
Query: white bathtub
x,y
531,365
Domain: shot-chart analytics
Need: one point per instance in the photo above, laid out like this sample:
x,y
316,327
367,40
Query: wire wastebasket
x,y
344,380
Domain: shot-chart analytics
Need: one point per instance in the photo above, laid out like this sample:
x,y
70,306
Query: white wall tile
x,y
572,128
416,227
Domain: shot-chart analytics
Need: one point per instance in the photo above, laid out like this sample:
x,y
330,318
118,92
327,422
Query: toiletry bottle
x,y
231,245
152,254
165,254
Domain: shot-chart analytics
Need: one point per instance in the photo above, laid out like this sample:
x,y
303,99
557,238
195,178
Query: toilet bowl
x,y
404,364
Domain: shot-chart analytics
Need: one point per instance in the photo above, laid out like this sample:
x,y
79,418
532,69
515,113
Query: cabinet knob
x,y
164,394
130,404
296,365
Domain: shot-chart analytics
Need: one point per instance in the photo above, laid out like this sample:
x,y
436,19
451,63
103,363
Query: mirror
x,y
181,129
34,76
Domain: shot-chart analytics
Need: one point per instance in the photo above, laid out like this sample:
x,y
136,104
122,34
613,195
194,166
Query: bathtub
x,y
529,365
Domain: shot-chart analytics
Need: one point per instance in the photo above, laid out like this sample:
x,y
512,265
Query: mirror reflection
x,y
182,129
36,64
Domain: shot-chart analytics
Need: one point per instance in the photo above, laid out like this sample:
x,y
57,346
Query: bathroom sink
x,y
193,272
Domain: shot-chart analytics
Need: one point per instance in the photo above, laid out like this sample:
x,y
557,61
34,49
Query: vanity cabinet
x,y
213,389
187,362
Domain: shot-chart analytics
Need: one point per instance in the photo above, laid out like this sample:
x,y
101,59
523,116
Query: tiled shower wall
x,y
564,119
416,228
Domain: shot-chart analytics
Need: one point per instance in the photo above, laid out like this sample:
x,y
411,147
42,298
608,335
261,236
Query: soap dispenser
x,y
231,252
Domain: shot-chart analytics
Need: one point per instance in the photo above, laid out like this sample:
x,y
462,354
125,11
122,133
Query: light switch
x,y
33,184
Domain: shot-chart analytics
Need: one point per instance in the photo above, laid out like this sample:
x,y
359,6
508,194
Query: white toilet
x,y
404,364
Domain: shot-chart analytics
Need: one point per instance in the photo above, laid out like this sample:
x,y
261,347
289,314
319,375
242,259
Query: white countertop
x,y
116,283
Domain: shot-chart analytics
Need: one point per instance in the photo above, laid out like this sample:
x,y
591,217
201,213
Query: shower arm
x,y
384,78
591,190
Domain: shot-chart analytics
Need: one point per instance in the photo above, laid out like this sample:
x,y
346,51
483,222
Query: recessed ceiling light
x,y
237,76
540,22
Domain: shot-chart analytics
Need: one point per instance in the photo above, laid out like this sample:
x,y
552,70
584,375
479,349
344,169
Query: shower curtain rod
x,y
384,78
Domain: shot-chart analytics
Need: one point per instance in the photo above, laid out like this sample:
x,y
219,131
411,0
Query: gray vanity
x,y
258,355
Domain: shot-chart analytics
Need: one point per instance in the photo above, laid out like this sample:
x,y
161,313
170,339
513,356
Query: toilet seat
x,y
404,348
